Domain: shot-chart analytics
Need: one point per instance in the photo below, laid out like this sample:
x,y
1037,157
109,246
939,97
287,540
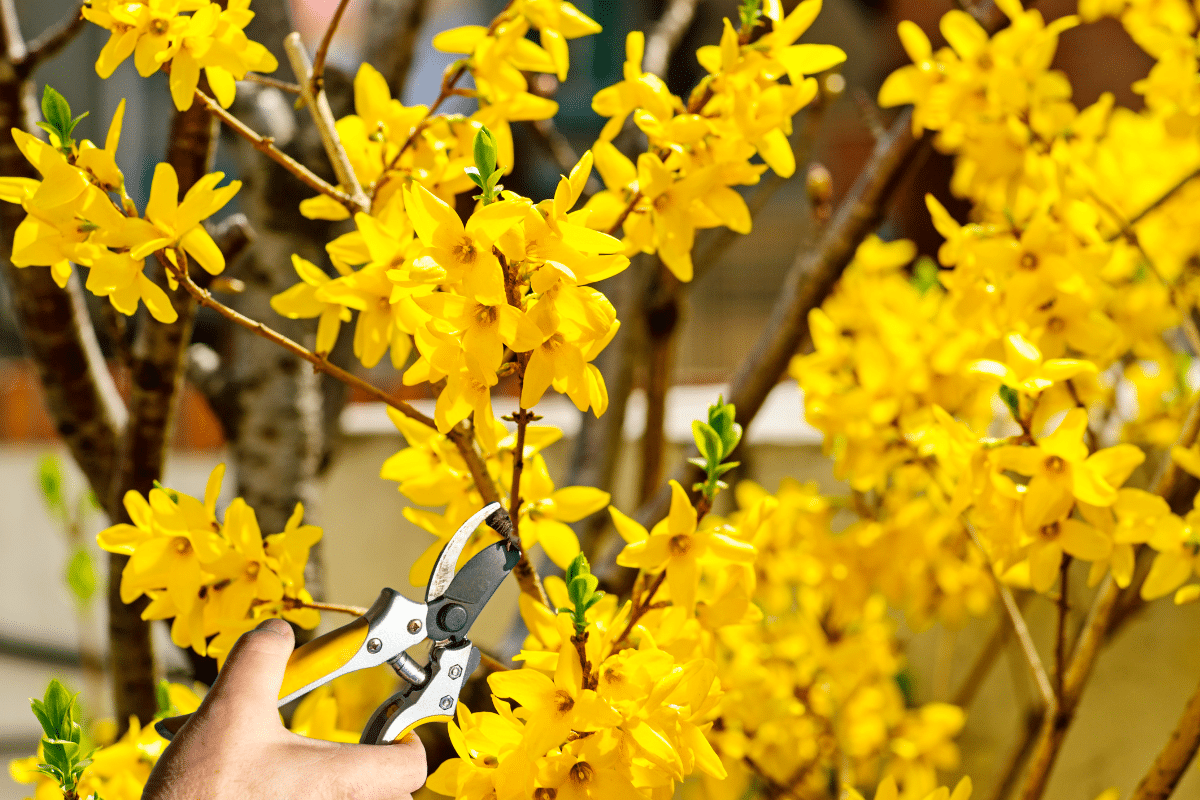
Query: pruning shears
x,y
394,623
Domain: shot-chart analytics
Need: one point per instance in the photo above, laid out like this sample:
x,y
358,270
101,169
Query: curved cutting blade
x,y
447,560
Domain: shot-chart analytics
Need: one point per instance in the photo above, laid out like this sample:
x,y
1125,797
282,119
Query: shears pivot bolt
x,y
453,618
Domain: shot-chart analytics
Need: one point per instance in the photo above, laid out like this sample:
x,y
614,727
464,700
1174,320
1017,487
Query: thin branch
x,y
322,114
1060,631
449,80
1176,755
51,42
205,298
266,144
1167,195
274,83
1028,648
316,76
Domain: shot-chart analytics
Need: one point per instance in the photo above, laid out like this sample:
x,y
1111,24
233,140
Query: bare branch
x,y
318,106
267,145
315,76
52,41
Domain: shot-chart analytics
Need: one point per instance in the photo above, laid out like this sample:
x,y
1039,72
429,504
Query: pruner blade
x,y
444,568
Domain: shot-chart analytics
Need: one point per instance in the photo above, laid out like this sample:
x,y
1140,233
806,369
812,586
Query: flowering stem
x,y
266,144
447,91
580,642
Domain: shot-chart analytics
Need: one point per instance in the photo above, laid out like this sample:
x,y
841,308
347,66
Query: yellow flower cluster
x,y
812,687
699,150
621,708
71,217
215,578
431,472
182,37
1046,300
514,278
887,351
390,145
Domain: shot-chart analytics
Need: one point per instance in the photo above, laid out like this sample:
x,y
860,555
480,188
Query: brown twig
x,y
526,573
317,81
274,83
266,145
640,607
205,298
1028,648
1060,631
449,80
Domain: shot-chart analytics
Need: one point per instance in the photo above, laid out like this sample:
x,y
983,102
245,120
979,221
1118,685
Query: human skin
x,y
235,746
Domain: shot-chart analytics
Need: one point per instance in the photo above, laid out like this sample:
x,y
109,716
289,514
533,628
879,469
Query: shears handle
x,y
433,701
392,625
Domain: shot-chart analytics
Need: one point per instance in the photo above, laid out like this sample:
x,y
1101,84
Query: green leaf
x,y
58,707
702,439
50,481
723,468
1012,400
699,462
485,152
55,109
925,274
715,449
81,575
39,710
162,696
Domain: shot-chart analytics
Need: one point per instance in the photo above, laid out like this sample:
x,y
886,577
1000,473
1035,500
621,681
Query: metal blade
x,y
447,560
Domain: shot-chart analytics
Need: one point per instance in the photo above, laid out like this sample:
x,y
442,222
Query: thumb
x,y
248,685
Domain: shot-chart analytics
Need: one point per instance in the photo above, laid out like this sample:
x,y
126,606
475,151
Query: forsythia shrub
x,y
966,402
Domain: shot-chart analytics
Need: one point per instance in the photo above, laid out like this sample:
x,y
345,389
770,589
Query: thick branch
x,y
156,376
57,332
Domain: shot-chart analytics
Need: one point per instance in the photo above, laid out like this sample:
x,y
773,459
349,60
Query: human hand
x,y
234,747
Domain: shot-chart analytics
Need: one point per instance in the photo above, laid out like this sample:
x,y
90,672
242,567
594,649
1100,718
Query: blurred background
x,y
45,631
